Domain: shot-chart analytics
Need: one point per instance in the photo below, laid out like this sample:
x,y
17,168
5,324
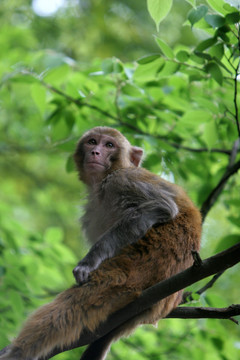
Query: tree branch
x,y
205,313
150,296
80,103
208,203
236,88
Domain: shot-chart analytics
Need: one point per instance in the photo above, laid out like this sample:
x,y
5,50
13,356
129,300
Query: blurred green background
x,y
68,70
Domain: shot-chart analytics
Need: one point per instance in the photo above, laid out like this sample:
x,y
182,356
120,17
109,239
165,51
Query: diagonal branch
x,y
209,202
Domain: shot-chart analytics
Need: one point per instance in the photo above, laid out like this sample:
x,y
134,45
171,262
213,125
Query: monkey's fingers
x,y
81,273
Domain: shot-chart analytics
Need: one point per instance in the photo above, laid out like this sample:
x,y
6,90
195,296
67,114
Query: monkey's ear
x,y
136,154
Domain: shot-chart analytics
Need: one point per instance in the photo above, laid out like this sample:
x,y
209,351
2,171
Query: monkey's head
x,y
102,150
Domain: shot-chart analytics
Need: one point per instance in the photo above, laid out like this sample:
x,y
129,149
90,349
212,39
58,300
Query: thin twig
x,y
187,296
236,87
208,203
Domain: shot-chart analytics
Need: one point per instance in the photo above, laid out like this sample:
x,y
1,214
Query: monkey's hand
x,y
84,268
81,272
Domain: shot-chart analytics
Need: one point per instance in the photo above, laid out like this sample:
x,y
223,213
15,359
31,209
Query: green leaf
x,y
217,51
57,75
214,70
192,2
69,118
210,134
113,65
218,343
233,18
38,93
132,90
217,5
197,14
227,242
203,55
107,66
182,56
205,44
117,66
197,59
221,32
195,117
147,72
70,165
169,69
147,59
167,51
215,21
234,220
158,9
53,235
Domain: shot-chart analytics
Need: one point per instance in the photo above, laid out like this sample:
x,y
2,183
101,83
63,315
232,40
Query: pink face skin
x,y
98,151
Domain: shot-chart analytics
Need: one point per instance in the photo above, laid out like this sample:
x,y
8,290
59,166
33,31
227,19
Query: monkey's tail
x,y
98,349
61,322
56,324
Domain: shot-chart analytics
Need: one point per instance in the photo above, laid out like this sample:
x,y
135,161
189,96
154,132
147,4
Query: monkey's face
x,y
101,151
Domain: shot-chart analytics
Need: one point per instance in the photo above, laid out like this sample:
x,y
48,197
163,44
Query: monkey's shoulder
x,y
132,175
136,180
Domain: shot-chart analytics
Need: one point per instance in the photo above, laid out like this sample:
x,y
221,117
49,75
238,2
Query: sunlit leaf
x,y
132,90
147,72
210,135
217,5
167,51
182,56
57,75
39,96
53,235
158,9
217,51
169,69
192,2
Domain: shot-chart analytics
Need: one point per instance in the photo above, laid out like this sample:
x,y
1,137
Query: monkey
x,y
142,229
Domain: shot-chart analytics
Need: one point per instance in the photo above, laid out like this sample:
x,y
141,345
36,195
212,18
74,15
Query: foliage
x,y
179,102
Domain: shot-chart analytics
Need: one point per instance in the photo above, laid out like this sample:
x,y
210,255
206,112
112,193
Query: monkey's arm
x,y
141,206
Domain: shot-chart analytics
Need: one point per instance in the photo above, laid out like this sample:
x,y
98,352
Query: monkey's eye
x,y
92,142
109,144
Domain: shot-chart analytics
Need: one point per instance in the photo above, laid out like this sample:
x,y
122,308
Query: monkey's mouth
x,y
93,164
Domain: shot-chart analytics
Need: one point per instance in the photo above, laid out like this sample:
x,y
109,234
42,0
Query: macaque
x,y
143,230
